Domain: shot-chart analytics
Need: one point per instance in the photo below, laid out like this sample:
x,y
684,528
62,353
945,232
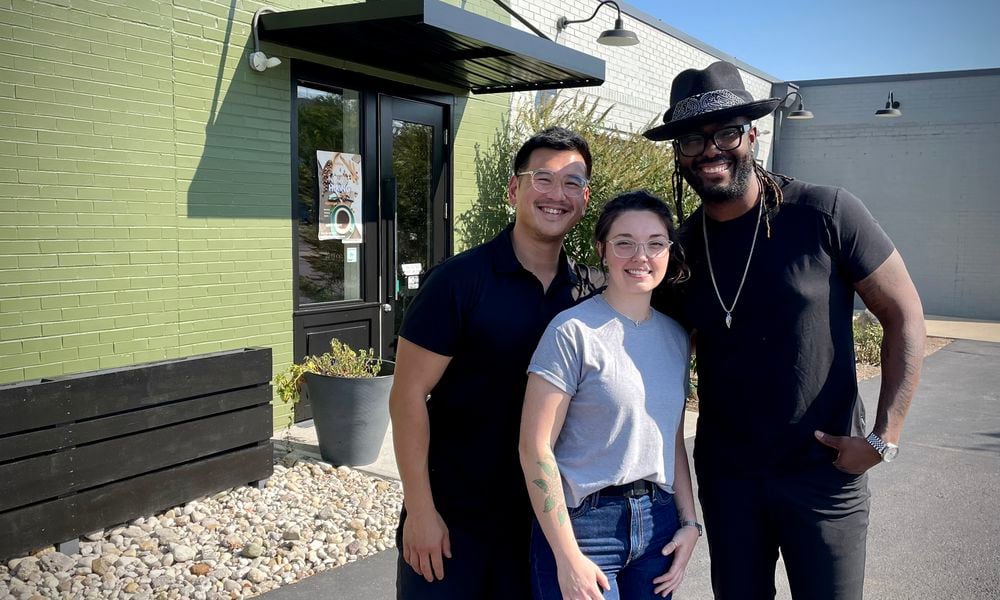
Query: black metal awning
x,y
434,41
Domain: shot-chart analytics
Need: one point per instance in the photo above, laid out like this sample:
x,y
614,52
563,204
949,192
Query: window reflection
x,y
328,270
411,163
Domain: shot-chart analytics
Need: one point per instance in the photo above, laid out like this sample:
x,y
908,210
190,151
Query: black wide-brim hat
x,y
698,97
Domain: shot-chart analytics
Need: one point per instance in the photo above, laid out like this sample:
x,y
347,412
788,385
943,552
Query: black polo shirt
x,y
786,366
487,312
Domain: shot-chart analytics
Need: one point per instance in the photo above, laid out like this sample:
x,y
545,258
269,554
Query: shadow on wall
x,y
233,131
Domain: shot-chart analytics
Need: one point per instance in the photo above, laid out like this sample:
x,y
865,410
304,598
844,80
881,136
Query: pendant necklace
x,y
711,273
624,316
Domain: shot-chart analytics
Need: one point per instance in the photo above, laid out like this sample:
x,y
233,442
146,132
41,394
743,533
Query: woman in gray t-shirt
x,y
602,442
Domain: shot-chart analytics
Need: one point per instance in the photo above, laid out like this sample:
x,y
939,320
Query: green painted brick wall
x,y
88,278
145,184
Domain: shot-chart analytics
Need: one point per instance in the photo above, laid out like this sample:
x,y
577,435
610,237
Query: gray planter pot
x,y
351,415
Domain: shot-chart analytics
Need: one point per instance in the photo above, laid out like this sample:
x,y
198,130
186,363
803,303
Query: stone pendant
x,y
729,320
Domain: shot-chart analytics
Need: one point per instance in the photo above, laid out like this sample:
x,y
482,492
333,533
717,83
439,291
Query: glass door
x,y
413,153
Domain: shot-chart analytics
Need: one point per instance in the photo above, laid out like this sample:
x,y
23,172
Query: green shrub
x,y
622,162
692,391
867,340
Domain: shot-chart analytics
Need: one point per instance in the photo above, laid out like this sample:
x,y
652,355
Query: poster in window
x,y
339,196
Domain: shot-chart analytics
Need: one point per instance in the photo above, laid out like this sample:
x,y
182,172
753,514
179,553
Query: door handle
x,y
387,308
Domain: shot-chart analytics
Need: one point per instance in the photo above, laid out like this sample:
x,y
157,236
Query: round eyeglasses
x,y
626,248
727,138
544,181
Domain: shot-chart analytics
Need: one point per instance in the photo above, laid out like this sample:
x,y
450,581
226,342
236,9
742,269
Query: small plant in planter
x,y
348,391
340,361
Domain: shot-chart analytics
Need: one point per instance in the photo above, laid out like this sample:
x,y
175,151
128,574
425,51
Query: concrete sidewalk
x,y
963,329
935,512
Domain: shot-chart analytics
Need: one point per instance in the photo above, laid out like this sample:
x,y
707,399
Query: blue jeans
x,y
623,536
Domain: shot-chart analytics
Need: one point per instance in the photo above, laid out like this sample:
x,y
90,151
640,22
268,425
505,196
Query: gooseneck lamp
x,y
619,36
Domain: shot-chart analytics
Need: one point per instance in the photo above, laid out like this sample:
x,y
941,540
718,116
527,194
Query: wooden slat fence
x,y
87,451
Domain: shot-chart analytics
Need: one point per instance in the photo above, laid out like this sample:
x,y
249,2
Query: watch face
x,y
889,453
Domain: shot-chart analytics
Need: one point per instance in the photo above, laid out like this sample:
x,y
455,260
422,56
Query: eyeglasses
x,y
544,181
727,138
626,248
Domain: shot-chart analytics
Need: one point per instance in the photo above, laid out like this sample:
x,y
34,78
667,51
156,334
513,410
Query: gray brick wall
x,y
929,177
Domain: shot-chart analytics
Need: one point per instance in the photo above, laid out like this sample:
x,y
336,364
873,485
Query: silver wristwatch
x,y
695,524
885,449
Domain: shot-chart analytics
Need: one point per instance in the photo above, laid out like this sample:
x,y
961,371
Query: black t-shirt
x,y
786,366
487,312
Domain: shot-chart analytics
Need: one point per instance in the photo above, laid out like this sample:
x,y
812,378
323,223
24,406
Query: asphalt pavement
x,y
935,516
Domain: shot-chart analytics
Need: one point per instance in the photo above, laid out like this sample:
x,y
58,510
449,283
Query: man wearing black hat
x,y
782,445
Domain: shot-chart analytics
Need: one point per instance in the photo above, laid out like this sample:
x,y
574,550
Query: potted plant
x,y
349,394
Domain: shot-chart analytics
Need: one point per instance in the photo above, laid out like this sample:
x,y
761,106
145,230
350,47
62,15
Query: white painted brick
x,y
637,78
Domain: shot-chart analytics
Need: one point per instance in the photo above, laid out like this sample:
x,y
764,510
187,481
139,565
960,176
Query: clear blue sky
x,y
807,39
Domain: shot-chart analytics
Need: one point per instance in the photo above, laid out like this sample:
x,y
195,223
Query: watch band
x,y
876,442
885,449
696,525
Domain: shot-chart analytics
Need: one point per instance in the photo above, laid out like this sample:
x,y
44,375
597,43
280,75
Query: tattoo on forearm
x,y
550,488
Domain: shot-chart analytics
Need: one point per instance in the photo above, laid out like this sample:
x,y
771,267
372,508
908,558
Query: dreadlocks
x,y
677,183
770,191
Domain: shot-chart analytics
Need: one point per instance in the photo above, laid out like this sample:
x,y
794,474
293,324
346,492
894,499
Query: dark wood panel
x,y
38,404
65,436
26,529
48,476
359,325
357,335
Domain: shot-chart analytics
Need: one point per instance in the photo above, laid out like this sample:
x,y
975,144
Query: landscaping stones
x,y
240,543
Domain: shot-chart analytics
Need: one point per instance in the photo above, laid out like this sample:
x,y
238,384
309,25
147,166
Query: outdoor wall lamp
x,y
619,36
800,113
891,109
259,61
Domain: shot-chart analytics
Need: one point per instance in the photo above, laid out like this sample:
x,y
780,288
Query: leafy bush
x,y
340,361
867,339
692,391
622,162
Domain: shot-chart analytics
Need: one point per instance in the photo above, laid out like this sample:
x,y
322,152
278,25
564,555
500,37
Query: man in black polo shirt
x,y
466,342
781,450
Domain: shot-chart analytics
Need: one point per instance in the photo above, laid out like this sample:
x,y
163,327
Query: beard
x,y
721,193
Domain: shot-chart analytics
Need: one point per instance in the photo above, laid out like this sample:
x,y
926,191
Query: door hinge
x,y
446,132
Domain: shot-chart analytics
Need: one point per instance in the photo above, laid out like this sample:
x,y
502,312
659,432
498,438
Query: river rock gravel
x,y
308,517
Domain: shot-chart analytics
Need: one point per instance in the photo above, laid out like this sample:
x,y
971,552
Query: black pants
x,y
818,518
488,562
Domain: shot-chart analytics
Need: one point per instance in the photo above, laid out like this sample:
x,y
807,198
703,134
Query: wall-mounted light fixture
x,y
891,109
259,61
800,113
619,36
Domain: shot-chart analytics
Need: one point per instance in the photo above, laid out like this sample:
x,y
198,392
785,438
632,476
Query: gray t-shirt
x,y
627,385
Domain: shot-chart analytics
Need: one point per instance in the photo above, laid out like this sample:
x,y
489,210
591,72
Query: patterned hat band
x,y
705,103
